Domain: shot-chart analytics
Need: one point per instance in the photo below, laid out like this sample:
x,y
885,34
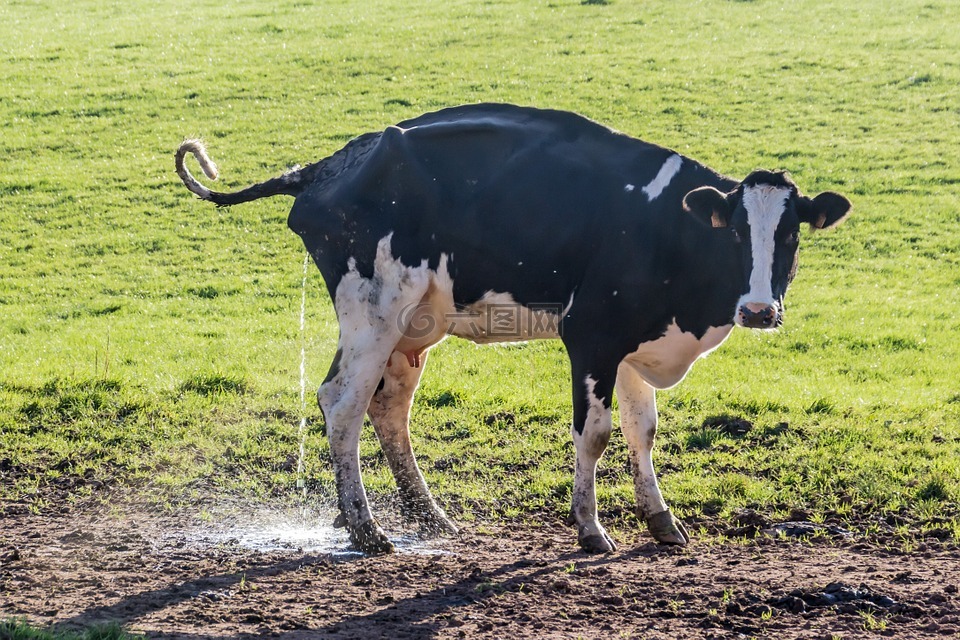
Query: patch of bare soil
x,y
493,582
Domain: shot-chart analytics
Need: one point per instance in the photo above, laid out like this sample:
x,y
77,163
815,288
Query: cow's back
x,y
526,197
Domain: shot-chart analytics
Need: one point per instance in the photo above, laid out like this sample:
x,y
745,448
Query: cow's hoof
x,y
429,518
666,529
597,542
437,524
370,539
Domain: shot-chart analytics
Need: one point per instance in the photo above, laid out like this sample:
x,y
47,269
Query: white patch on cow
x,y
427,322
596,409
590,445
669,169
497,317
765,205
368,312
638,421
629,188
665,361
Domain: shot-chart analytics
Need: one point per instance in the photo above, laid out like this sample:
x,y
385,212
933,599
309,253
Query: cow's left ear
x,y
709,206
826,210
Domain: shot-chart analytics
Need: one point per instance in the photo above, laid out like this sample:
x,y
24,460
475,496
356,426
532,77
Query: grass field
x,y
150,342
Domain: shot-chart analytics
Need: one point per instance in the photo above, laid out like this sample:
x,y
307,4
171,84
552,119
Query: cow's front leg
x,y
591,432
638,420
390,414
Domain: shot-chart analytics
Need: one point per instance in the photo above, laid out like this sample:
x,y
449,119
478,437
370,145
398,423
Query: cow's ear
x,y
709,206
826,210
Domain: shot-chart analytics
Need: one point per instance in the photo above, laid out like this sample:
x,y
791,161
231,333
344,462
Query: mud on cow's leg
x,y
341,398
638,420
367,312
591,432
390,414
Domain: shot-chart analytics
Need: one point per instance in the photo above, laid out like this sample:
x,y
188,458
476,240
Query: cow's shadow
x,y
423,615
426,614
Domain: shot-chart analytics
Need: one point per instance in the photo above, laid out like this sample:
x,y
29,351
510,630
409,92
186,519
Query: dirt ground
x,y
493,582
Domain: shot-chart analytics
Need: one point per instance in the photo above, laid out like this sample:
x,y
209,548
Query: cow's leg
x,y
368,312
390,414
638,420
592,425
342,398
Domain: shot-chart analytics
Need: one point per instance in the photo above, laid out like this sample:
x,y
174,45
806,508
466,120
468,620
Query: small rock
x,y
835,587
794,604
884,601
10,555
825,600
803,528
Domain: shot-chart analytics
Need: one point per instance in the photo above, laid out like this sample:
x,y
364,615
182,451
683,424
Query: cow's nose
x,y
755,315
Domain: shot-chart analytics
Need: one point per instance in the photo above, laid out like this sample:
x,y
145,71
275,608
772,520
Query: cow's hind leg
x,y
368,310
390,414
342,398
638,420
592,425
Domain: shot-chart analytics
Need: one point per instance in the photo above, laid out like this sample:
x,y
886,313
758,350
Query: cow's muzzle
x,y
758,315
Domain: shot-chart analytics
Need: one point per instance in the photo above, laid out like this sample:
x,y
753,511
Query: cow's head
x,y
763,216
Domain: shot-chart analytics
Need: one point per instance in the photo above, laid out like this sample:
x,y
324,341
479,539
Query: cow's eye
x,y
793,239
736,236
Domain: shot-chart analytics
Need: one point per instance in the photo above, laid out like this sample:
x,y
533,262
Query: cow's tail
x,y
289,184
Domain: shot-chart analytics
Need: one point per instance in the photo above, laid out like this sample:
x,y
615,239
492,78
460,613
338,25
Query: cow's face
x,y
762,217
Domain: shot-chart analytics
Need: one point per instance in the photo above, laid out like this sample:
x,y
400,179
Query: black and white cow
x,y
639,259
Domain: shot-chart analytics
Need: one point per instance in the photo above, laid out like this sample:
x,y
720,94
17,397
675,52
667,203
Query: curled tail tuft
x,y
290,183
199,151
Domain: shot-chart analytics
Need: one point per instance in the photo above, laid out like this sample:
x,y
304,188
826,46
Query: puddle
x,y
286,531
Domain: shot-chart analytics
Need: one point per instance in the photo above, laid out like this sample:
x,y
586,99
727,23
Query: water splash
x,y
302,430
304,529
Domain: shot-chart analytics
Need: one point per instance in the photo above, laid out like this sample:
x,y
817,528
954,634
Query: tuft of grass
x,y
20,630
872,623
936,489
211,384
703,438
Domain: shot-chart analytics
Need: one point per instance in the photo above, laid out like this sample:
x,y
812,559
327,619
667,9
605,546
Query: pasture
x,y
150,344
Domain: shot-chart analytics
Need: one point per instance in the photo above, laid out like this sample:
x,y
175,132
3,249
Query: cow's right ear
x,y
709,206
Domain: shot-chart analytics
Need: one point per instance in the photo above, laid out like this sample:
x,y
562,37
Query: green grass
x,y
18,630
152,342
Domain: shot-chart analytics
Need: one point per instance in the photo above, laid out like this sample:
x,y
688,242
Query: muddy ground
x,y
158,578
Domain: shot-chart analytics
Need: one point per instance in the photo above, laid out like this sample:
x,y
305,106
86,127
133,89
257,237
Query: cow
x,y
464,220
